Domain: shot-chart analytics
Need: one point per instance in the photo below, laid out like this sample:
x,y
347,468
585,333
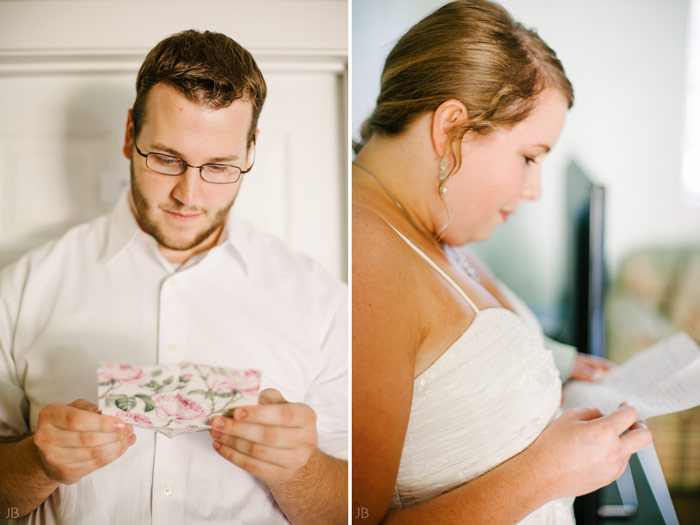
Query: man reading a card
x,y
169,277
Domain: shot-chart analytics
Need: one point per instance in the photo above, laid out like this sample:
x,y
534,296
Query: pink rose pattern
x,y
177,407
247,381
133,418
123,373
173,400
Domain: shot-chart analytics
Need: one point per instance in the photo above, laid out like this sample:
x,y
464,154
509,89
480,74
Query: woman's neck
x,y
392,173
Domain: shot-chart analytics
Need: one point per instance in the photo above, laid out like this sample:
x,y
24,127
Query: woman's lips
x,y
504,214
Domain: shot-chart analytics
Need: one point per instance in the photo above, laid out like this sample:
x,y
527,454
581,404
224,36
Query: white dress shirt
x,y
104,292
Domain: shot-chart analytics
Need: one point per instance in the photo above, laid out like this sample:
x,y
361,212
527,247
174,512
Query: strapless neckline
x,y
483,400
449,355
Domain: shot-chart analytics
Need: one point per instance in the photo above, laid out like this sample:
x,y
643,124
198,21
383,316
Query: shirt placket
x,y
172,322
168,490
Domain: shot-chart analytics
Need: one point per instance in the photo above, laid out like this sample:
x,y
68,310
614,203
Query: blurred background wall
x,y
67,79
627,62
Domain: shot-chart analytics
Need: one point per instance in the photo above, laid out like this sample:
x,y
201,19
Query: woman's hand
x,y
590,367
583,450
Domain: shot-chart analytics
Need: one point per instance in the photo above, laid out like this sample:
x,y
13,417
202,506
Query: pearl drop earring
x,y
442,176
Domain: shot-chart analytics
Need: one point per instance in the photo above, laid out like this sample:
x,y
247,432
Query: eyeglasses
x,y
214,173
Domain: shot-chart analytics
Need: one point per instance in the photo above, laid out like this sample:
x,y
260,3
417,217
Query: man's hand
x,y
272,440
75,440
590,367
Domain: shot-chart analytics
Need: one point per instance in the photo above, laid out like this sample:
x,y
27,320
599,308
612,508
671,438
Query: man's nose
x,y
188,186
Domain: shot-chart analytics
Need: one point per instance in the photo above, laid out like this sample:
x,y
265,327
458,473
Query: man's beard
x,y
143,209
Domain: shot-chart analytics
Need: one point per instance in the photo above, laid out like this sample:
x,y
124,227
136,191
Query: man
x,y
170,276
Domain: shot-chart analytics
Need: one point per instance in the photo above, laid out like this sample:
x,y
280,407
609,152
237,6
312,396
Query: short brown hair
x,y
208,68
472,51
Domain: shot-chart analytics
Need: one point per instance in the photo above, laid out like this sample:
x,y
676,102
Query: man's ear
x,y
445,118
129,136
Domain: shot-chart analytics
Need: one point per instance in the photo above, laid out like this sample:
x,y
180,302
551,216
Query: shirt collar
x,y
123,229
236,239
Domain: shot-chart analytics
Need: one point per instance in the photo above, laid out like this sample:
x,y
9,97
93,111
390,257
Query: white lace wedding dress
x,y
484,400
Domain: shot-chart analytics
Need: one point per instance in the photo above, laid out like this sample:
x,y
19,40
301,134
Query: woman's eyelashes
x,y
529,160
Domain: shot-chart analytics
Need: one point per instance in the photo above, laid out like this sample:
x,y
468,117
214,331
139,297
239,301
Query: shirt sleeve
x,y
564,357
14,406
328,395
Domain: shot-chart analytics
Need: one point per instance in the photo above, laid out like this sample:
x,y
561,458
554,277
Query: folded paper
x,y
173,399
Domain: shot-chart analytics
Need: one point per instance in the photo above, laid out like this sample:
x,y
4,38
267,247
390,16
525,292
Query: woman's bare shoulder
x,y
368,223
385,286
382,262
376,247
385,340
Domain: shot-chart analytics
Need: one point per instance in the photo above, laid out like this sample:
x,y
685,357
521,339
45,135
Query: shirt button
x,y
167,490
422,382
172,347
173,281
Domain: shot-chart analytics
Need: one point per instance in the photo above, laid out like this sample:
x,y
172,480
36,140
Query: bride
x,y
456,401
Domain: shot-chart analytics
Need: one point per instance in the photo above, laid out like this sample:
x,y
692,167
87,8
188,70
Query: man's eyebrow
x,y
171,151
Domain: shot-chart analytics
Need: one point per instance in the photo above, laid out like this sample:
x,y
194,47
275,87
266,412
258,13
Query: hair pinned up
x,y
472,51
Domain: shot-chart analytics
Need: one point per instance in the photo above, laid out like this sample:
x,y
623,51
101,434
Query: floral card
x,y
173,399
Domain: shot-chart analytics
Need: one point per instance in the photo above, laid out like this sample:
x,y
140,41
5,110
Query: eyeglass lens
x,y
167,165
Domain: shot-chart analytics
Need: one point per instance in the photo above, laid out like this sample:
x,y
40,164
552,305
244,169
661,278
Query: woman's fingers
x,y
623,418
636,438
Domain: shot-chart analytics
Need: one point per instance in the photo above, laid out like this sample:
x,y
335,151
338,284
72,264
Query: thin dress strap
x,y
439,270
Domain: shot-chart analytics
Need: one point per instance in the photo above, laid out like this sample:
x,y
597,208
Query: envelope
x,y
174,399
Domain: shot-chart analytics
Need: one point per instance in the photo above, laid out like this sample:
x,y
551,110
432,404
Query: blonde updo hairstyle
x,y
472,51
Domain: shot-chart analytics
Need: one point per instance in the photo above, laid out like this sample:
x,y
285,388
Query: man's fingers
x,y
274,409
270,396
84,404
271,440
272,436
258,468
280,414
273,455
70,418
97,453
75,439
86,459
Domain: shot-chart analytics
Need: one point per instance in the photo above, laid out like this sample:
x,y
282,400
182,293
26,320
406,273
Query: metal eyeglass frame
x,y
186,165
